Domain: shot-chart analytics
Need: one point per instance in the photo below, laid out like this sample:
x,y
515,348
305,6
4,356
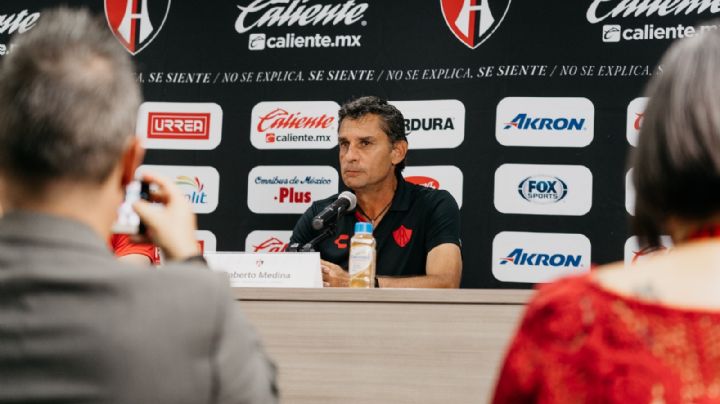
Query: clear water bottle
x,y
362,257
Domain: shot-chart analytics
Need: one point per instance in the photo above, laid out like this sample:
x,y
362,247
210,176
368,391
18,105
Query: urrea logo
x,y
136,23
474,21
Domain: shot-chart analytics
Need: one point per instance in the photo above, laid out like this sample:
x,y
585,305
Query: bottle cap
x,y
363,227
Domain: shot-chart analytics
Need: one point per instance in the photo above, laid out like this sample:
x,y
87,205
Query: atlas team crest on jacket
x,y
136,23
402,235
474,21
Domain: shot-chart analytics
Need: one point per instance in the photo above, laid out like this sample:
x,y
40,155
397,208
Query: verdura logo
x,y
601,10
434,124
301,13
429,124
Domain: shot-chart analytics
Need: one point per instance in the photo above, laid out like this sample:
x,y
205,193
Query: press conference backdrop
x,y
524,111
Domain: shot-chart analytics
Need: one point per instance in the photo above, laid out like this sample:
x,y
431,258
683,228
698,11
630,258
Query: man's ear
x,y
131,159
399,150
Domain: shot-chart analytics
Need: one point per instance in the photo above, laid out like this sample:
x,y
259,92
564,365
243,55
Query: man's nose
x,y
350,153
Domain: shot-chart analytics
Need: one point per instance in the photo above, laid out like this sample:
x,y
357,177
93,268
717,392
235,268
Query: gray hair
x,y
69,100
677,160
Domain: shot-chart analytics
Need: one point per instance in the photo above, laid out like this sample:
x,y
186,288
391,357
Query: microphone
x,y
345,201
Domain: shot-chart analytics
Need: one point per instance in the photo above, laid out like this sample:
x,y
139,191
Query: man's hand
x,y
172,225
333,275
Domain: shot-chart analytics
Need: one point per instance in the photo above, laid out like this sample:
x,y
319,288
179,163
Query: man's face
x,y
366,153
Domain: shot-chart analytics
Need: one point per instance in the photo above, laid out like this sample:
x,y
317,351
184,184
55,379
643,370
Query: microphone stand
x,y
310,245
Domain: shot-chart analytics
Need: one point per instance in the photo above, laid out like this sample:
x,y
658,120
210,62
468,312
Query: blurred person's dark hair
x,y
393,123
676,165
56,123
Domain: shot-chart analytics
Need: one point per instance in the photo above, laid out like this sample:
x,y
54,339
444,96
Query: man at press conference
x,y
417,228
77,325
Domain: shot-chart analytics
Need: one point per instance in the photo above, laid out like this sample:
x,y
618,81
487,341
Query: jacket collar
x,y
403,197
58,230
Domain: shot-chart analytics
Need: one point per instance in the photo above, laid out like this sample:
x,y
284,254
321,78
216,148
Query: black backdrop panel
x,y
406,45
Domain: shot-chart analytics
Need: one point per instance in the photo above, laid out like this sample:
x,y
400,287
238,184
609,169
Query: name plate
x,y
269,270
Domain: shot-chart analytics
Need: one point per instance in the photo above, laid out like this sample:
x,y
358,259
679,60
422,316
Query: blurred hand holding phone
x,y
168,216
128,221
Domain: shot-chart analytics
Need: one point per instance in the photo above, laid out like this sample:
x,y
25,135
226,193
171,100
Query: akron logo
x,y
136,23
474,21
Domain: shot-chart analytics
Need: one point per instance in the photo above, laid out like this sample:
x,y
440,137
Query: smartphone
x,y
128,222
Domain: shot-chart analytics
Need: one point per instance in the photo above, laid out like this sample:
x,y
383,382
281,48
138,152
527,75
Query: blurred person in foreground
x,y
77,325
649,333
417,228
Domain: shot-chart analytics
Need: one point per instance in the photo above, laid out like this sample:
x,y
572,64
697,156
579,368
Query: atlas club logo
x,y
136,23
474,21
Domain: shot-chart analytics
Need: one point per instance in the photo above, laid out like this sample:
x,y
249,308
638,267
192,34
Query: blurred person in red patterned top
x,y
649,333
135,253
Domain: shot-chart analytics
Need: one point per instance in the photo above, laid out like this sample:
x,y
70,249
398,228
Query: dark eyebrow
x,y
361,139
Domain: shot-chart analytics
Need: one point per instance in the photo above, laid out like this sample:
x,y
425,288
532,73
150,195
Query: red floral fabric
x,y
581,343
